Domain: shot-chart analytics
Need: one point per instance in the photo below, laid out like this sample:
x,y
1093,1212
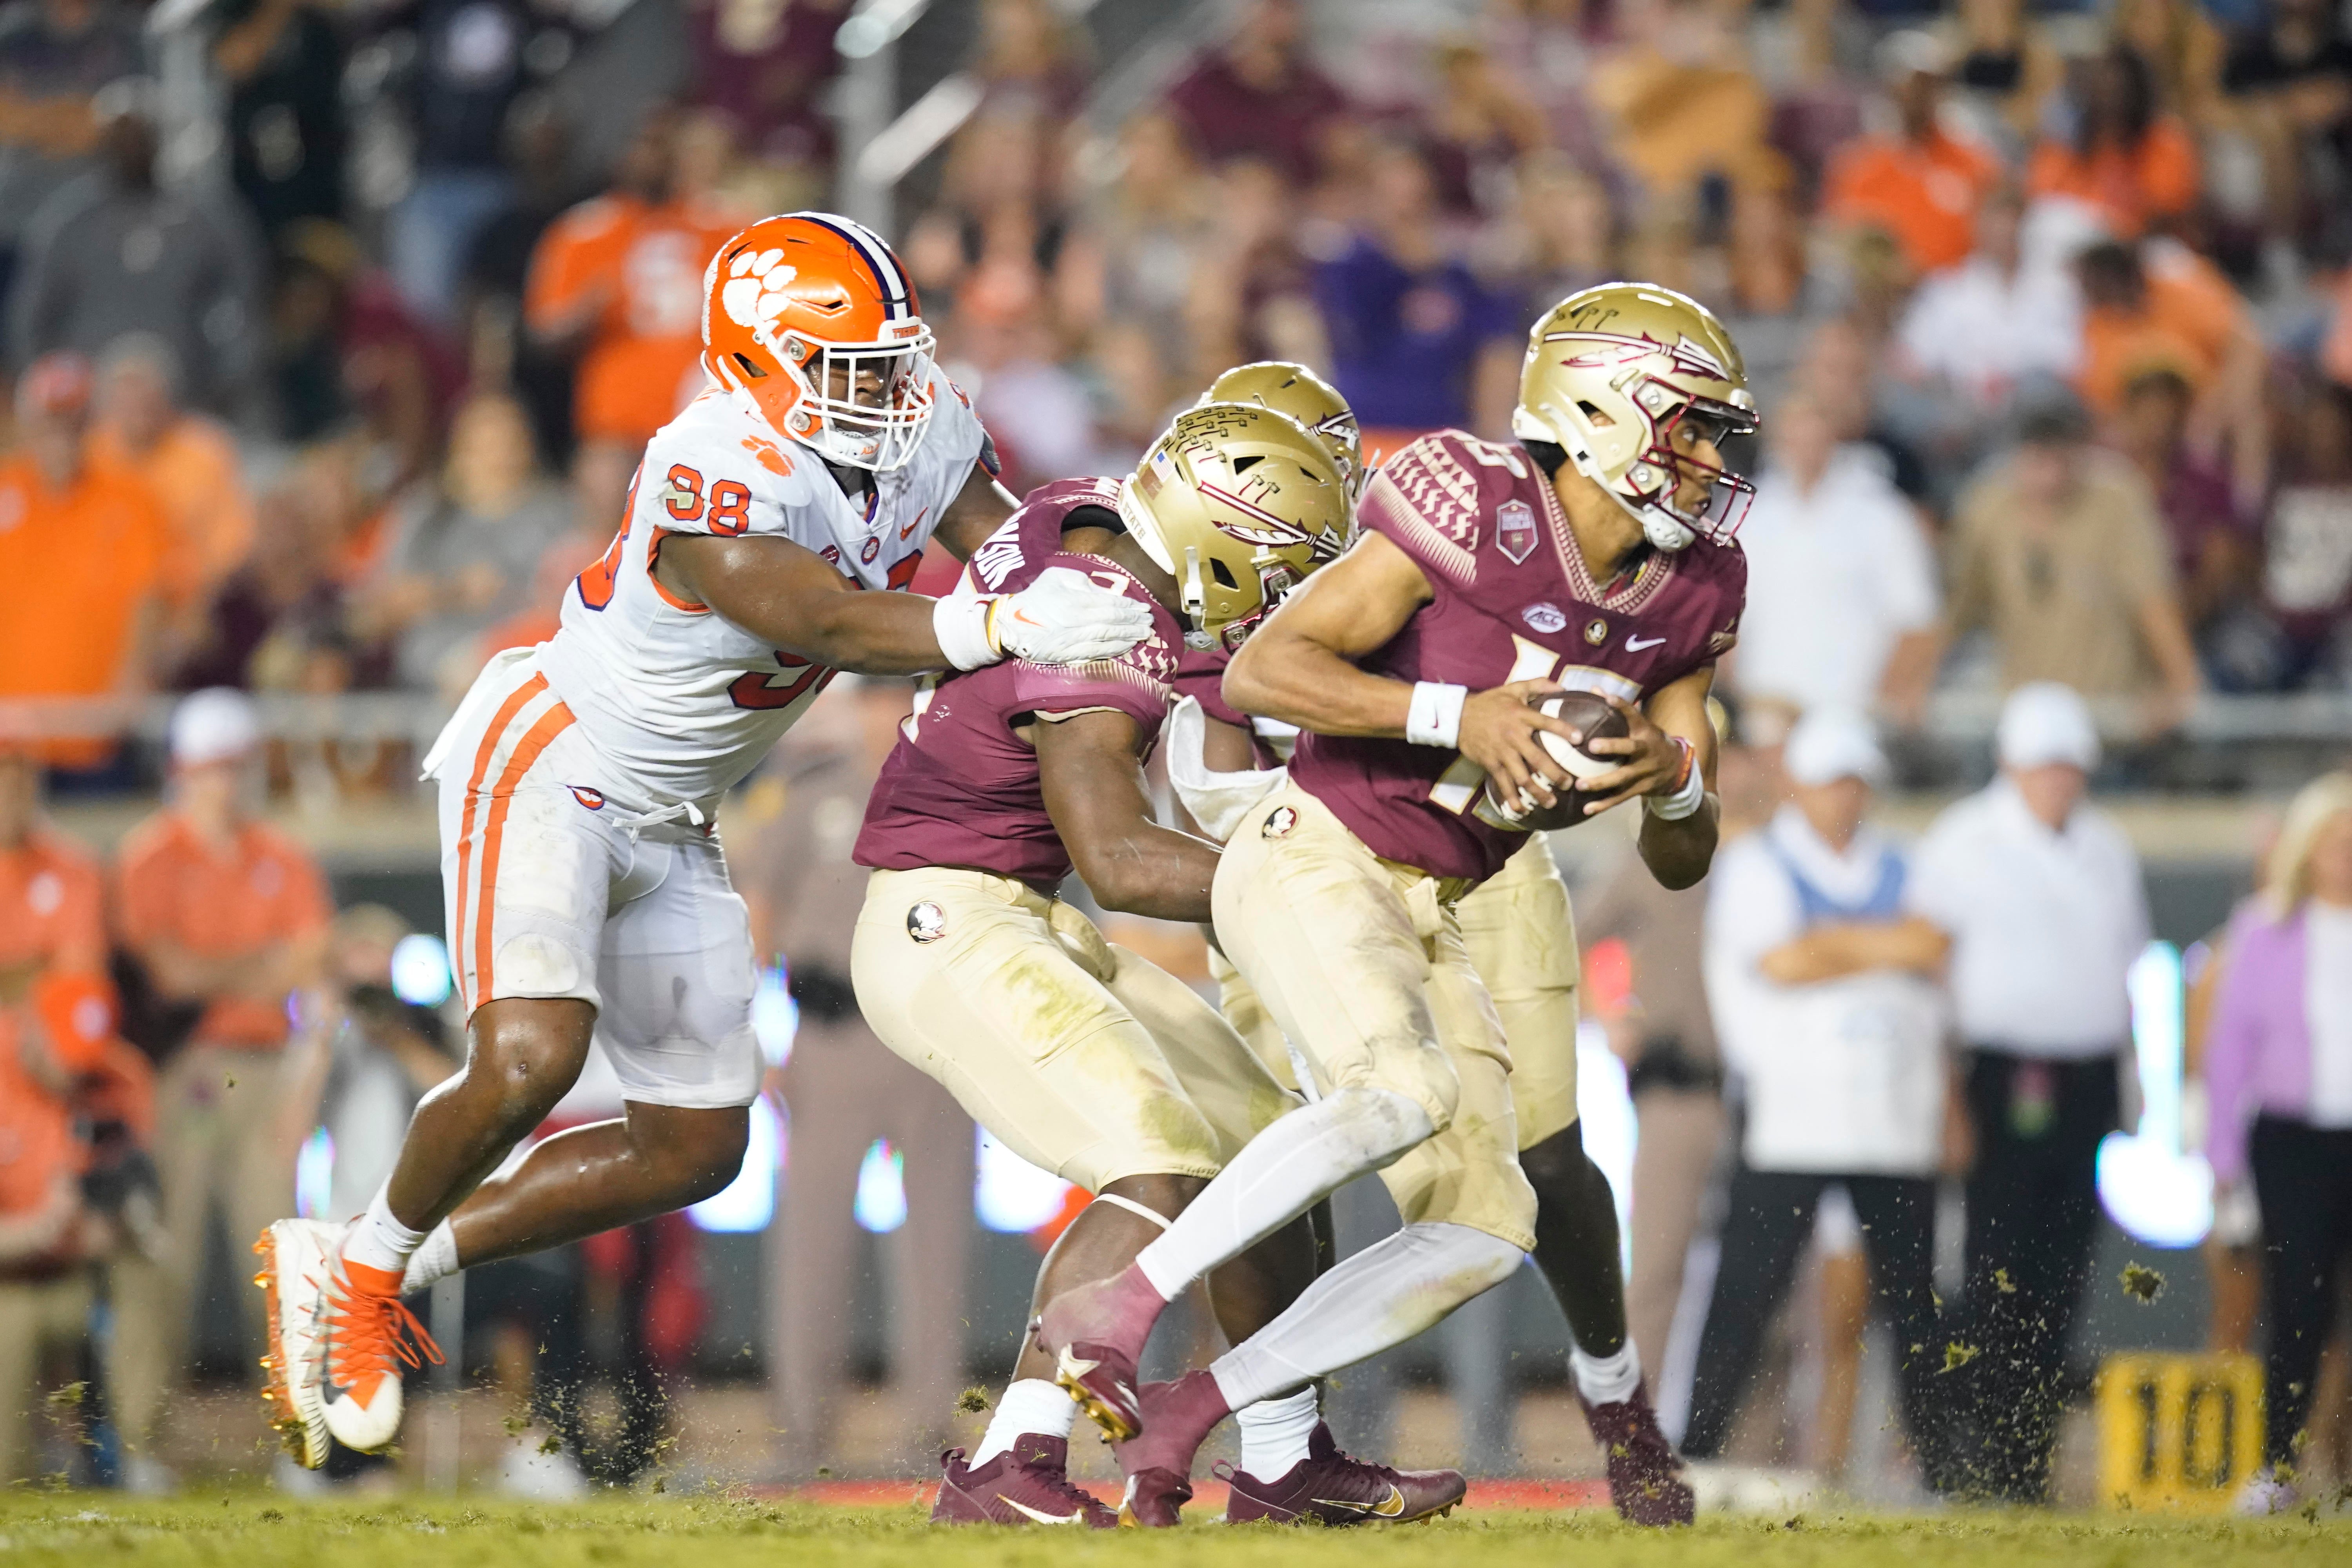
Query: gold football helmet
x,y
1315,402
1643,387
1239,503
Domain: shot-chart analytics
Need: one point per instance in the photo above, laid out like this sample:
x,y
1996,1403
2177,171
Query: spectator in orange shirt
x,y
2160,306
2136,167
1922,185
191,463
620,279
229,917
59,1061
82,552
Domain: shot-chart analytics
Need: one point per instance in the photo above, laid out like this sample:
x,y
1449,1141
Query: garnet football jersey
x,y
960,788
681,702
1513,600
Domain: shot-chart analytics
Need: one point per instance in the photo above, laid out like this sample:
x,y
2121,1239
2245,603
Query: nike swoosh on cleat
x,y
1388,1507
1023,1508
1635,645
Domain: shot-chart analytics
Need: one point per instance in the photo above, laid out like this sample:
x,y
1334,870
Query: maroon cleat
x,y
1177,1417
1096,1335
1029,1483
1646,1474
1329,1487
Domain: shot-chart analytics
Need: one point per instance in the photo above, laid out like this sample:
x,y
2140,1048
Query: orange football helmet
x,y
813,318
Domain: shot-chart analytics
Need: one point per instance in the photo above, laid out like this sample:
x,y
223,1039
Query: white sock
x,y
1610,1379
1030,1404
1281,1173
378,1240
1275,1433
435,1260
1381,1297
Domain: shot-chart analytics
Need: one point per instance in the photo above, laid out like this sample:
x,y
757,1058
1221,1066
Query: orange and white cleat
x,y
366,1337
296,1255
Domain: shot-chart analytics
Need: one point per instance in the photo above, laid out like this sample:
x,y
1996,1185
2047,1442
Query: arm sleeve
x,y
81,924
1969,600
142,902
1932,890
307,907
2230,1053
1429,500
1747,917
559,271
1908,571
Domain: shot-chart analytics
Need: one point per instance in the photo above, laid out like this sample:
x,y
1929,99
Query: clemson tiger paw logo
x,y
754,293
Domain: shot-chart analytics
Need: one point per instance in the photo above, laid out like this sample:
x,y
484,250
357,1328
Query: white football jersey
x,y
680,703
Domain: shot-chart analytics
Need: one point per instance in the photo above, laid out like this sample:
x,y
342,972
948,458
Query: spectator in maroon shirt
x,y
763,67
1259,97
2214,547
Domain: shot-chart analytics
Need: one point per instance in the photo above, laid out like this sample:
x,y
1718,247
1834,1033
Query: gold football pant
x,y
1521,936
1361,963
1080,1056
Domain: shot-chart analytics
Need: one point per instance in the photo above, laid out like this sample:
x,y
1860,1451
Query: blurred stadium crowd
x,y
334,332
374,304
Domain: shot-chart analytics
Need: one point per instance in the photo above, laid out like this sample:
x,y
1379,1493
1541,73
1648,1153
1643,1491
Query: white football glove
x,y
1063,618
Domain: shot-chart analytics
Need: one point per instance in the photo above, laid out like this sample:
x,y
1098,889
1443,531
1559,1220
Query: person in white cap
x,y
223,917
2041,896
1826,994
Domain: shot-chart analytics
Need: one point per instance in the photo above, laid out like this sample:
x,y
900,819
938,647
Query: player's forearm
x,y
868,634
1301,682
1678,853
1833,951
1153,872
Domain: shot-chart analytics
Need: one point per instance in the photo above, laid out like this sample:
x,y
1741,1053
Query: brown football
x,y
1594,719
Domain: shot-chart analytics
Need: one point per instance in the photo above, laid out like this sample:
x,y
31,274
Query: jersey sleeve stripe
x,y
491,735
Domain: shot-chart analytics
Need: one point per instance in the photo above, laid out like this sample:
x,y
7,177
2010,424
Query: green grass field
x,y
252,1530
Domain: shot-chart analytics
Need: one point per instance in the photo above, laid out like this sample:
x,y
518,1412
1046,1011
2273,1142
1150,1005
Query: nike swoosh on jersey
x,y
1388,1507
1023,1508
1635,645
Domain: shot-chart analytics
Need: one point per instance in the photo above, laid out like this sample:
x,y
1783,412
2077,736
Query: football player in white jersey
x,y
585,889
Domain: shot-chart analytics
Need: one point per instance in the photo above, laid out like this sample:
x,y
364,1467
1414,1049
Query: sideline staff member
x,y
2041,894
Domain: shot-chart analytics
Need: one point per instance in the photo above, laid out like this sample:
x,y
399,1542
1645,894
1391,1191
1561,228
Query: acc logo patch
x,y
1514,531
593,799
1596,632
927,922
1545,617
1280,824
869,550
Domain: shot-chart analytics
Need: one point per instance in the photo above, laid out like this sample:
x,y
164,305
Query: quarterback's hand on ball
x,y
1066,618
1499,732
1652,762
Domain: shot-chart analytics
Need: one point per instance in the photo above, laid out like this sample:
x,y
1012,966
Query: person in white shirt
x,y
2009,315
2041,894
1841,585
1825,992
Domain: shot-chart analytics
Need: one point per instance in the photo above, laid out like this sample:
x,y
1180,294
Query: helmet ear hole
x,y
750,370
1217,568
1593,413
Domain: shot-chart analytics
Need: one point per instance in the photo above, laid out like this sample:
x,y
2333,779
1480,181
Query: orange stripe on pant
x,y
551,724
482,755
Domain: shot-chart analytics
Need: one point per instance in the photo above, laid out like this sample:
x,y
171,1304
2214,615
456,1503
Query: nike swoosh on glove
x,y
1066,618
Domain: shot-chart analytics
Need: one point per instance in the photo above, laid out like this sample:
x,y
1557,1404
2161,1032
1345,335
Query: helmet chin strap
x,y
1194,596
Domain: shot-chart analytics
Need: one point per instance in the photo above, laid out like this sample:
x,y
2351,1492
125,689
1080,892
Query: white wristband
x,y
1435,717
961,624
1681,804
